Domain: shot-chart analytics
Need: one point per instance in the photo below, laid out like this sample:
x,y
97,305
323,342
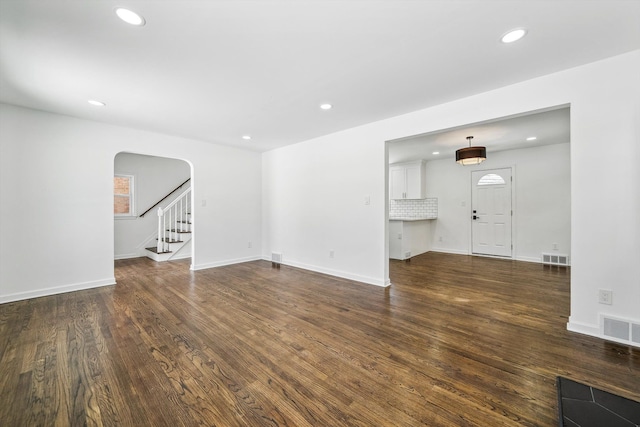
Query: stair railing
x,y
173,219
161,200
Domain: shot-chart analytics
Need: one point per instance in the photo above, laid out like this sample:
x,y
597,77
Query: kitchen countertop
x,y
412,218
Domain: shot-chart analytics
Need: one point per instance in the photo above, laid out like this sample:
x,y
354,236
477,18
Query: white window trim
x,y
132,199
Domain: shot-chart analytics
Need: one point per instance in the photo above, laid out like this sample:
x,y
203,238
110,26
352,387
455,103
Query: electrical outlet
x,y
439,238
367,200
250,245
554,246
605,296
331,254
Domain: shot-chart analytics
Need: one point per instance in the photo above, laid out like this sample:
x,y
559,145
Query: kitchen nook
x,y
411,213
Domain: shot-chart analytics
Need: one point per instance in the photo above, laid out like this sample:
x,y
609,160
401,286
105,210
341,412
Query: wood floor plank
x,y
455,341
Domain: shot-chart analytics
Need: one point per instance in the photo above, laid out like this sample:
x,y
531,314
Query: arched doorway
x,y
142,184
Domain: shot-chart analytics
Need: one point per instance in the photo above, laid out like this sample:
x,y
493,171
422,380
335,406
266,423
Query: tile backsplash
x,y
414,208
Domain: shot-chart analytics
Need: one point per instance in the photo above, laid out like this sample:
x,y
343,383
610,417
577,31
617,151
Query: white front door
x,y
491,212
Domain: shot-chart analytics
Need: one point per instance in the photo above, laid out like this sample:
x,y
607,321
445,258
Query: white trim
x,y
519,258
583,328
336,273
450,251
127,256
196,267
596,330
529,259
57,290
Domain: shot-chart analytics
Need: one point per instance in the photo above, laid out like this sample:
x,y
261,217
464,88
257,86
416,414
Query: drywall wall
x,y
154,177
605,231
314,203
56,200
541,200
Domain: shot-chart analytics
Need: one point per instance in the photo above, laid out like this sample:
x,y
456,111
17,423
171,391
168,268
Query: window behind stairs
x,y
123,195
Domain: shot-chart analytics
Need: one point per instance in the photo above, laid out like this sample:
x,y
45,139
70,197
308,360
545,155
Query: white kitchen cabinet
x,y
408,238
407,180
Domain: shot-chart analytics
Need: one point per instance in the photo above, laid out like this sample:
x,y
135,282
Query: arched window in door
x,y
491,179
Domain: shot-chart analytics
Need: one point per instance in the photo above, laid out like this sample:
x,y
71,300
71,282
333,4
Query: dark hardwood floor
x,y
455,341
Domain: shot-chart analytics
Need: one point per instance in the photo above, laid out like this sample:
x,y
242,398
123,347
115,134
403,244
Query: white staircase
x,y
174,228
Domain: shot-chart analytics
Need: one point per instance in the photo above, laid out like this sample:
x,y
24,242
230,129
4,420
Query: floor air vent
x,y
621,330
555,259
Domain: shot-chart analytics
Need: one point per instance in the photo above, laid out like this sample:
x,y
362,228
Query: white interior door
x,y
491,212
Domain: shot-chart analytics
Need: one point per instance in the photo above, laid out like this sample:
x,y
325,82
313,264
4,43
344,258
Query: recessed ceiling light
x,y
326,106
96,103
247,137
130,17
532,138
435,153
513,35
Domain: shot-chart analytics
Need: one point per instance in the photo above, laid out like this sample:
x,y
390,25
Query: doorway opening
x,y
531,215
146,189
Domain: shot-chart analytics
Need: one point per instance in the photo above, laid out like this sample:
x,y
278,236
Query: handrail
x,y
160,201
170,205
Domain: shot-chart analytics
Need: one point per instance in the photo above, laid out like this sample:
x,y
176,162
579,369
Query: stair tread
x,y
155,250
179,231
185,222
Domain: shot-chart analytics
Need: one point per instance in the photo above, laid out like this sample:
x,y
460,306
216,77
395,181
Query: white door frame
x,y
513,209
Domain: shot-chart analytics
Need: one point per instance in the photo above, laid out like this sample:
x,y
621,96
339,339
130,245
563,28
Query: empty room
x,y
320,213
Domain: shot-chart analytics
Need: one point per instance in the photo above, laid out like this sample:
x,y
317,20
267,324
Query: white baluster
x,y
181,215
159,245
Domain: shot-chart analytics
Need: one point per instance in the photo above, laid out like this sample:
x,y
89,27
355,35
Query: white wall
x,y
154,178
314,203
313,190
541,202
56,200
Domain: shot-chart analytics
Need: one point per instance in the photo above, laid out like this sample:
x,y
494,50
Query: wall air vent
x,y
621,330
276,259
555,259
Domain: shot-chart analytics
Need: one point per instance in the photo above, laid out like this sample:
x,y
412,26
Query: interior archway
x,y
154,182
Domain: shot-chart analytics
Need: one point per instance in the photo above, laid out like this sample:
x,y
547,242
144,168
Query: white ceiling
x,y
548,127
216,70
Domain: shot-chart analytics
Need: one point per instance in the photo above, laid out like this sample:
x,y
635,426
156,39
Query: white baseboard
x,y
450,251
596,331
222,263
127,256
56,290
537,260
583,328
528,259
336,273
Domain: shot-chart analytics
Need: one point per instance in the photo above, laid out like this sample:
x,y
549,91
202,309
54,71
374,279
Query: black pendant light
x,y
471,155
